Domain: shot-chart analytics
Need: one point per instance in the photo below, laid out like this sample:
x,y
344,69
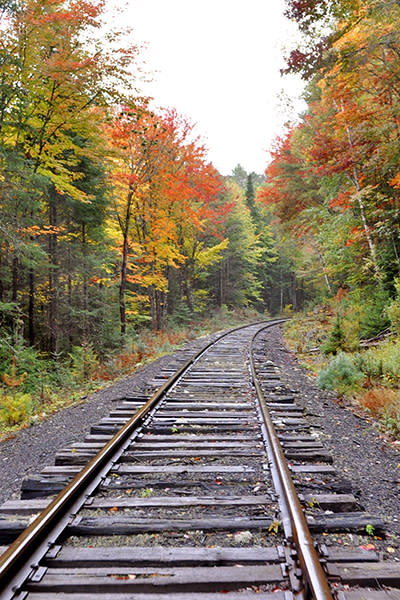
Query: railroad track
x,y
191,493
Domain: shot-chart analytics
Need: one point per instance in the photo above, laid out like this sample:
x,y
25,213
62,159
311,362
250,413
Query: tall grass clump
x,y
381,363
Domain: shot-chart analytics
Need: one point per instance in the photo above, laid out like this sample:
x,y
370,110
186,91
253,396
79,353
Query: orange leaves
x,y
342,201
80,12
395,181
163,186
35,230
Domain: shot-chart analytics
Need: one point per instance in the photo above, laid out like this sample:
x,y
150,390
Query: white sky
x,y
217,62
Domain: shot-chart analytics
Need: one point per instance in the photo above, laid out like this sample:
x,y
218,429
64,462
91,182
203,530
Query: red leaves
x,y
357,235
342,201
165,192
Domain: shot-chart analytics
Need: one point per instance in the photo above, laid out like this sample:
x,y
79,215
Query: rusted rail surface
x,y
183,500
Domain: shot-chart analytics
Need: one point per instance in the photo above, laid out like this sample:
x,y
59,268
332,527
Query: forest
x,y
334,182
114,223
334,177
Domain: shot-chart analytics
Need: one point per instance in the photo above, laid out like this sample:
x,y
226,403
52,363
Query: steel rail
x,y
22,558
302,539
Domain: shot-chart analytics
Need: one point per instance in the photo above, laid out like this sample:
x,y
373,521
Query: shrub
x,y
391,419
374,316
84,362
393,309
15,408
304,331
357,317
342,375
36,367
335,340
376,399
381,362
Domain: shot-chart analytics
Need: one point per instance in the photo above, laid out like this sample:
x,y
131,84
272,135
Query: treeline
x,y
334,178
111,216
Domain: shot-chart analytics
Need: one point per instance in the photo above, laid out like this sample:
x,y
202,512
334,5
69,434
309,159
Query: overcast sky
x,y
218,63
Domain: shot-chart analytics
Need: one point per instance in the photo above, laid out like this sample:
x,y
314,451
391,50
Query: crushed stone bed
x,y
366,460
371,464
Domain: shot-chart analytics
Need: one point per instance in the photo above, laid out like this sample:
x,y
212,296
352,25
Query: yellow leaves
x,y
63,186
134,278
209,256
274,527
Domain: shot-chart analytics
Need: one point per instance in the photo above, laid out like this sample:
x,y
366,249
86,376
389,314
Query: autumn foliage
x,y
112,218
334,178
165,197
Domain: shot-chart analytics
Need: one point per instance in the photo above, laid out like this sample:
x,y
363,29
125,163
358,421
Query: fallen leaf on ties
x,y
113,509
274,527
367,547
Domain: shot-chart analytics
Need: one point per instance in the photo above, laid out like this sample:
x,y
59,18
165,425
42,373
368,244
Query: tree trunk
x,y
124,265
69,294
14,289
323,265
366,227
156,308
293,291
1,280
53,276
223,282
356,181
31,308
187,286
85,285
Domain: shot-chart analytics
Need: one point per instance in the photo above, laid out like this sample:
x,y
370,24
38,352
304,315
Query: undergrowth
x,y
368,378
33,386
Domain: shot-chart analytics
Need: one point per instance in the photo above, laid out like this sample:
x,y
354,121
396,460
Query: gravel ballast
x,y
365,459
29,450
361,453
